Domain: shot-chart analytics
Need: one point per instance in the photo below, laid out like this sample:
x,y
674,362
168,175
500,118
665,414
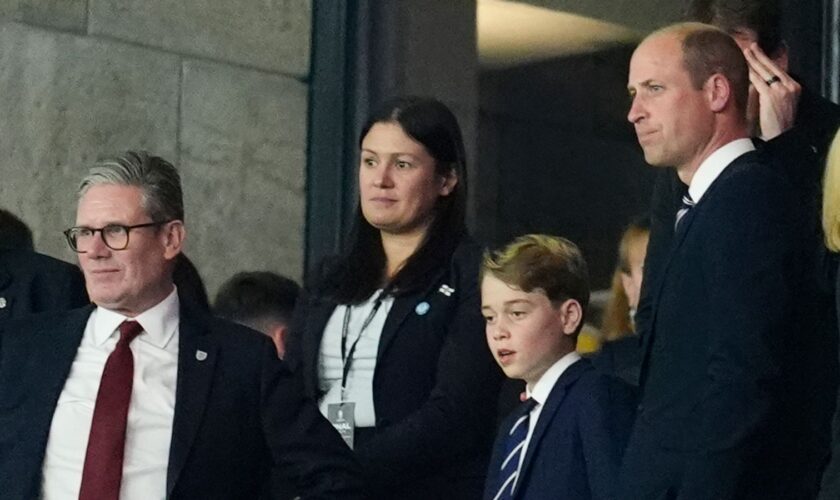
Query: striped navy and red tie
x,y
514,445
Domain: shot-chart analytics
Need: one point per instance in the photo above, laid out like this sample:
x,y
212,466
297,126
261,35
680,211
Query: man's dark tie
x,y
514,444
102,473
687,204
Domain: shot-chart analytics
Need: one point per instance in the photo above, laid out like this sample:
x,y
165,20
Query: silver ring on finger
x,y
772,80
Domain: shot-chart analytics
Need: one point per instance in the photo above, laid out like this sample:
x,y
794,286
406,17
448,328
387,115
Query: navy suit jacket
x,y
240,416
435,385
31,283
799,155
720,405
576,448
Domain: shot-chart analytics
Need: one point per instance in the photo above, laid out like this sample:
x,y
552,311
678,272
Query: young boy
x,y
567,439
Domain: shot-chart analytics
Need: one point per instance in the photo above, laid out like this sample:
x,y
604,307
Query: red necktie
x,y
102,472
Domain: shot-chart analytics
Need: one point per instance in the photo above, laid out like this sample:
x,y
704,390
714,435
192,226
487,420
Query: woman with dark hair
x,y
390,341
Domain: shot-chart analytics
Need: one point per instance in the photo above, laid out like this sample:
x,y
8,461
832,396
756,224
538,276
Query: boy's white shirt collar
x,y
545,384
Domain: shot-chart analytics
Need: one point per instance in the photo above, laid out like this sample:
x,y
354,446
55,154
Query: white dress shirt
x,y
539,393
360,379
150,411
715,164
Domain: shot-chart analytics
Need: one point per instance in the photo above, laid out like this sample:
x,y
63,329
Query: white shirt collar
x,y
159,322
716,163
546,383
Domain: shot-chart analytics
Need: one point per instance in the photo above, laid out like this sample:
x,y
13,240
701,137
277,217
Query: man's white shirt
x,y
150,411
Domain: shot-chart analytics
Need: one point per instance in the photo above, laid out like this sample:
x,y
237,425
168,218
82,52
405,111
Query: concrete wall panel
x,y
66,101
243,159
270,34
68,15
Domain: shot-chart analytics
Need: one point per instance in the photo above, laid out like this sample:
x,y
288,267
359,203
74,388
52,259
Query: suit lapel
x,y
677,240
403,305
396,316
689,218
42,380
60,351
197,353
552,404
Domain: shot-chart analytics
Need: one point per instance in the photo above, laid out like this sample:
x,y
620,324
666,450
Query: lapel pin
x,y
200,355
446,290
422,308
3,302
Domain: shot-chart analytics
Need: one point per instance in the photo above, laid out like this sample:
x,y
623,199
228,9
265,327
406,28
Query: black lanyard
x,y
347,357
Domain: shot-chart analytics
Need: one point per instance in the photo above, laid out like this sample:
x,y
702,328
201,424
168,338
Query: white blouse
x,y
359,388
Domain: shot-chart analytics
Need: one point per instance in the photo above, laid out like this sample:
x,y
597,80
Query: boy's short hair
x,y
259,299
551,264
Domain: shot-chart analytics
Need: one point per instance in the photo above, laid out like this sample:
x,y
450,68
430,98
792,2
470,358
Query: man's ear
x,y
571,315
718,91
174,234
278,335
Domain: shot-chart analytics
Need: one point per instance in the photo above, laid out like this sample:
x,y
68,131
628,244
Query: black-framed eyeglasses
x,y
115,236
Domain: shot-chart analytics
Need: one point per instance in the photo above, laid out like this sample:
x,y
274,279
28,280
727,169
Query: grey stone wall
x,y
216,87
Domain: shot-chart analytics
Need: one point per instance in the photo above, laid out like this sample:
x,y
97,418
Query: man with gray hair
x,y
137,396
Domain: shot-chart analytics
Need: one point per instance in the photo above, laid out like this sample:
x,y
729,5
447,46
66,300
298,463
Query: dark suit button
x,y
640,408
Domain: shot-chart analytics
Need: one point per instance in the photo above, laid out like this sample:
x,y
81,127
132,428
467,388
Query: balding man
x,y
719,281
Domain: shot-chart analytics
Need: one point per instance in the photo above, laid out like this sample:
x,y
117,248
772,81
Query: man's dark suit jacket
x,y
435,385
31,283
620,358
718,403
799,155
240,416
575,450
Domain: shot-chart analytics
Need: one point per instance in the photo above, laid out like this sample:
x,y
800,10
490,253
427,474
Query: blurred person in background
x,y
619,354
260,300
31,282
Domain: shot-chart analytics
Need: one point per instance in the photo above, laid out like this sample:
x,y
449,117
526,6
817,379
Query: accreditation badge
x,y
343,418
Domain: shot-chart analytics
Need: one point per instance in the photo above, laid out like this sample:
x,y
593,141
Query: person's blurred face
x,y
672,119
133,280
525,332
398,185
632,281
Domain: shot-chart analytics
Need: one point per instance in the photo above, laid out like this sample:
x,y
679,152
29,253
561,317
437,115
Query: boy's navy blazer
x,y
240,417
435,385
576,448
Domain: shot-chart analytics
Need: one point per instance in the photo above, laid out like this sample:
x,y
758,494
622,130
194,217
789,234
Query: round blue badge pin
x,y
422,308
